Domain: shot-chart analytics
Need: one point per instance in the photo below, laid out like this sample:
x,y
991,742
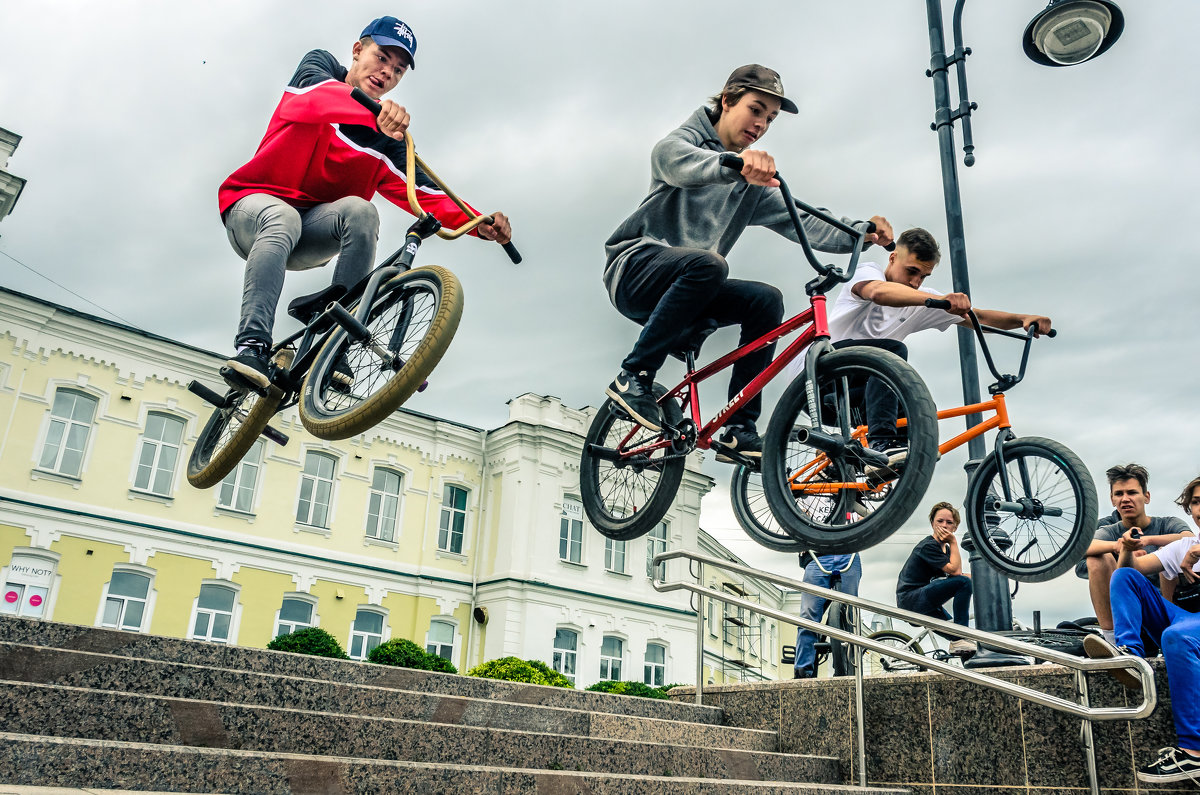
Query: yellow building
x,y
470,542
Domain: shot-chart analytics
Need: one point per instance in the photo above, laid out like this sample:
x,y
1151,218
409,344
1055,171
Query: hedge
x,y
403,653
514,669
310,640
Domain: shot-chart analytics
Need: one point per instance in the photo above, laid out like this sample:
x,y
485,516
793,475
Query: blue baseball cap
x,y
391,32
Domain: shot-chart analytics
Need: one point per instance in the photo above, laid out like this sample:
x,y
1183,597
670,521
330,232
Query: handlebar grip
x,y
871,230
937,303
512,253
362,98
731,161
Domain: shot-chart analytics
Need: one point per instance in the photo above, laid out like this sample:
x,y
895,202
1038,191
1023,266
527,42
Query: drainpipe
x,y
475,548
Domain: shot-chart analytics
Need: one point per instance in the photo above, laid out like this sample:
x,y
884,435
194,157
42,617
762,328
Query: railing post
x,y
700,635
1085,733
857,653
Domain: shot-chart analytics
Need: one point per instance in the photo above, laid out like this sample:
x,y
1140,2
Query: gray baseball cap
x,y
760,78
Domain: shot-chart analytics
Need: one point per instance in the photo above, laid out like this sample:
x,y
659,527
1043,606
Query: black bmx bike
x,y
387,333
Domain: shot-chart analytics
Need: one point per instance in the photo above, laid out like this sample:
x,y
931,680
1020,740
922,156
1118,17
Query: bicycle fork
x,y
1023,506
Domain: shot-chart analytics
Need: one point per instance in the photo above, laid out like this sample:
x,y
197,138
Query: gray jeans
x,y
275,237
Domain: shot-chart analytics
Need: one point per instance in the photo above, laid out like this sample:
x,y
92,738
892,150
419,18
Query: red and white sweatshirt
x,y
321,146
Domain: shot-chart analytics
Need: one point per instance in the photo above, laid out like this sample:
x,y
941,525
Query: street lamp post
x,y
1065,33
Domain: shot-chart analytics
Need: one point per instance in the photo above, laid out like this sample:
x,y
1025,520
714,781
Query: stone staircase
x,y
92,708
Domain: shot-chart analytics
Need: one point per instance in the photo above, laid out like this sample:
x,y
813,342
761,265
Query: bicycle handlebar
x,y
412,160
1003,381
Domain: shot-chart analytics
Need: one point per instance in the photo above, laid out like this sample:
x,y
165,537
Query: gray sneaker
x,y
1098,648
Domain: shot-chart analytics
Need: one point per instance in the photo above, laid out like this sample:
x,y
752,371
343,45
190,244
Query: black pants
x,y
669,289
881,406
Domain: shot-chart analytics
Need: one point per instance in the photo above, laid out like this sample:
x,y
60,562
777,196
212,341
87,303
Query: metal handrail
x,y
1081,709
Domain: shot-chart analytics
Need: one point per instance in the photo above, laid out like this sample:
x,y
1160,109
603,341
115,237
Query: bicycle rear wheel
x,y
628,475
411,323
1035,545
754,515
229,434
879,663
859,505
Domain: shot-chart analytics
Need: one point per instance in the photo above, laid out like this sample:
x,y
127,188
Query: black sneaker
x,y
635,394
1172,764
1096,647
249,367
742,439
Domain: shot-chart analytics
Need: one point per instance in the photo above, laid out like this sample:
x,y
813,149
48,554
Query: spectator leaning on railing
x,y
1147,619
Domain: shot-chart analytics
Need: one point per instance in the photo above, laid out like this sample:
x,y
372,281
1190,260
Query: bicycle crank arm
x,y
278,437
207,395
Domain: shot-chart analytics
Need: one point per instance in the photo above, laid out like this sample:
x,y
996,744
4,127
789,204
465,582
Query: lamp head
x,y
1069,32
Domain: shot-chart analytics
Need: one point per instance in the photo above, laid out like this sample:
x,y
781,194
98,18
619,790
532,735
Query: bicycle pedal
x,y
423,385
278,437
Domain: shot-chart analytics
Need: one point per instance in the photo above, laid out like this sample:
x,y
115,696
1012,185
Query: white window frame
x,y
159,445
446,519
614,555
68,423
377,500
438,645
365,637
251,464
234,613
561,655
316,480
314,619
651,668
654,546
570,532
147,602
609,663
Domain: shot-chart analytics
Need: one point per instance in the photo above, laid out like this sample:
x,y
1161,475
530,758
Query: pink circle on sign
x,y
35,600
11,596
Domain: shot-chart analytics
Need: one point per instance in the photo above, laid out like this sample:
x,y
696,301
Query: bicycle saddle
x,y
306,307
692,337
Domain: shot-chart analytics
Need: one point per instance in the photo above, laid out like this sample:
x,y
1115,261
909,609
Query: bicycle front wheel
x,y
628,476
836,503
881,663
229,434
1059,518
754,515
354,385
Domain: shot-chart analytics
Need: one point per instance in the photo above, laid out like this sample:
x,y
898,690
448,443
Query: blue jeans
x,y
1141,616
275,237
928,600
813,607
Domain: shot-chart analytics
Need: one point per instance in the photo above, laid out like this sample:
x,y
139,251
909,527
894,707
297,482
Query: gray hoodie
x,y
695,203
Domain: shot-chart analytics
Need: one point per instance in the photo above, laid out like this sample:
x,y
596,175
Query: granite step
x,y
61,711
97,765
43,665
77,637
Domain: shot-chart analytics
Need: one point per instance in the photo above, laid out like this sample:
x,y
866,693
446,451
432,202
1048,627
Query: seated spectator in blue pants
x,y
933,575
1146,619
823,571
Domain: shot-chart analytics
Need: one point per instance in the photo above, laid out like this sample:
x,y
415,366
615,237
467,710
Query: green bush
x,y
514,669
403,653
629,689
310,640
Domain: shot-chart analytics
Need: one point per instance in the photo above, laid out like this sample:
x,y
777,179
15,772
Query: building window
x,y
655,671
611,652
27,586
125,601
741,629
566,645
316,489
366,634
383,504
614,555
729,629
454,519
440,640
66,437
214,613
570,532
238,487
712,624
294,614
159,454
656,544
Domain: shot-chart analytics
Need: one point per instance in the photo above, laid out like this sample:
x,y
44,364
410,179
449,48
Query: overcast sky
x,y
1080,206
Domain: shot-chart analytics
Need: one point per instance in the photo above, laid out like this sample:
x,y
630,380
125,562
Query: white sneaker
x,y
962,646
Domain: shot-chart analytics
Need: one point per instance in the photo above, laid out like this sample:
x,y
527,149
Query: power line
x,y
69,290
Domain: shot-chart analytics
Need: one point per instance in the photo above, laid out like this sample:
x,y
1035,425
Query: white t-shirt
x,y
1171,556
855,318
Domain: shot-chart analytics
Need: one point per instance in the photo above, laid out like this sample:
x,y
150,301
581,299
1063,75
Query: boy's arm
x,y
1146,564
1010,320
885,293
1167,586
1179,530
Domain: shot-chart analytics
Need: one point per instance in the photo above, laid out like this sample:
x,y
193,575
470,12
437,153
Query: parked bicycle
x,y
387,334
629,475
1030,506
838,615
